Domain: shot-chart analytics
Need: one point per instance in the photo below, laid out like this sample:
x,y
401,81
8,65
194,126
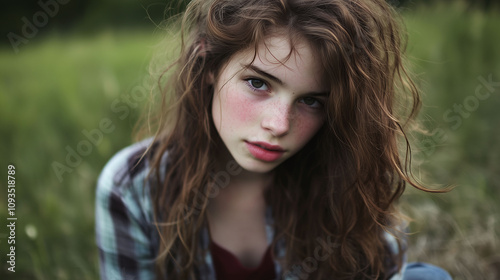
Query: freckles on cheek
x,y
307,127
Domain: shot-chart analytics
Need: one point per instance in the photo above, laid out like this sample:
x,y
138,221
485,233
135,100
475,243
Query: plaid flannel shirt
x,y
126,236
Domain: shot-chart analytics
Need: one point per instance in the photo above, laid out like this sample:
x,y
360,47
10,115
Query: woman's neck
x,y
239,189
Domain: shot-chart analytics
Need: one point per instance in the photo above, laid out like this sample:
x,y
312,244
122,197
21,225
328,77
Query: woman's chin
x,y
256,166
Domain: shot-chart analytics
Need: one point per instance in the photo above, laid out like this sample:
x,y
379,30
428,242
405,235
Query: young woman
x,y
276,155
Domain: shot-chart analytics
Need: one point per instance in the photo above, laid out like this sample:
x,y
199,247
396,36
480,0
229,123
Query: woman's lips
x,y
264,151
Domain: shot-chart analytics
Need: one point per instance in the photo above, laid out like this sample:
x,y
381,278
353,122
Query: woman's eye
x,y
312,102
257,84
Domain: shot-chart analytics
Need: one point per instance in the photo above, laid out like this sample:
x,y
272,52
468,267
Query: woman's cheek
x,y
242,108
307,125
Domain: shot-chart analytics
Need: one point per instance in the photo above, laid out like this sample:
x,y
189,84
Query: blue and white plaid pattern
x,y
126,236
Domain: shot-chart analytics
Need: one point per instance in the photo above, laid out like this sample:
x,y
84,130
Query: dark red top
x,y
228,267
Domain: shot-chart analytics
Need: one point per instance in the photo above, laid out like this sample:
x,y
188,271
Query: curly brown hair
x,y
344,183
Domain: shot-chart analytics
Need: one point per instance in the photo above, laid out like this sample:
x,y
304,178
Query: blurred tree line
x,y
90,15
84,16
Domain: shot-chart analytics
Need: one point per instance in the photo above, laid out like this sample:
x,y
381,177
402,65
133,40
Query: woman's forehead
x,y
291,61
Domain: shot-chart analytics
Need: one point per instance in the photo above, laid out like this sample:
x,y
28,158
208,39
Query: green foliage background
x,y
59,85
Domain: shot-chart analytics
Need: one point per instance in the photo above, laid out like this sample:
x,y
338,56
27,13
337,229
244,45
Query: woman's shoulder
x,y
125,177
124,217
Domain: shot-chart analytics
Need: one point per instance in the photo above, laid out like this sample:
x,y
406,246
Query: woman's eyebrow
x,y
263,73
277,80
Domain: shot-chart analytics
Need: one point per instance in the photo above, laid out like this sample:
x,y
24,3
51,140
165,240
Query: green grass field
x,y
58,89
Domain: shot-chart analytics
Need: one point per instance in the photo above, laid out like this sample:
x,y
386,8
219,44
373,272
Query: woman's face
x,y
265,111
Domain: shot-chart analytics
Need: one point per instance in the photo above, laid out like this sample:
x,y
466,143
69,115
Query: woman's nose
x,y
277,117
